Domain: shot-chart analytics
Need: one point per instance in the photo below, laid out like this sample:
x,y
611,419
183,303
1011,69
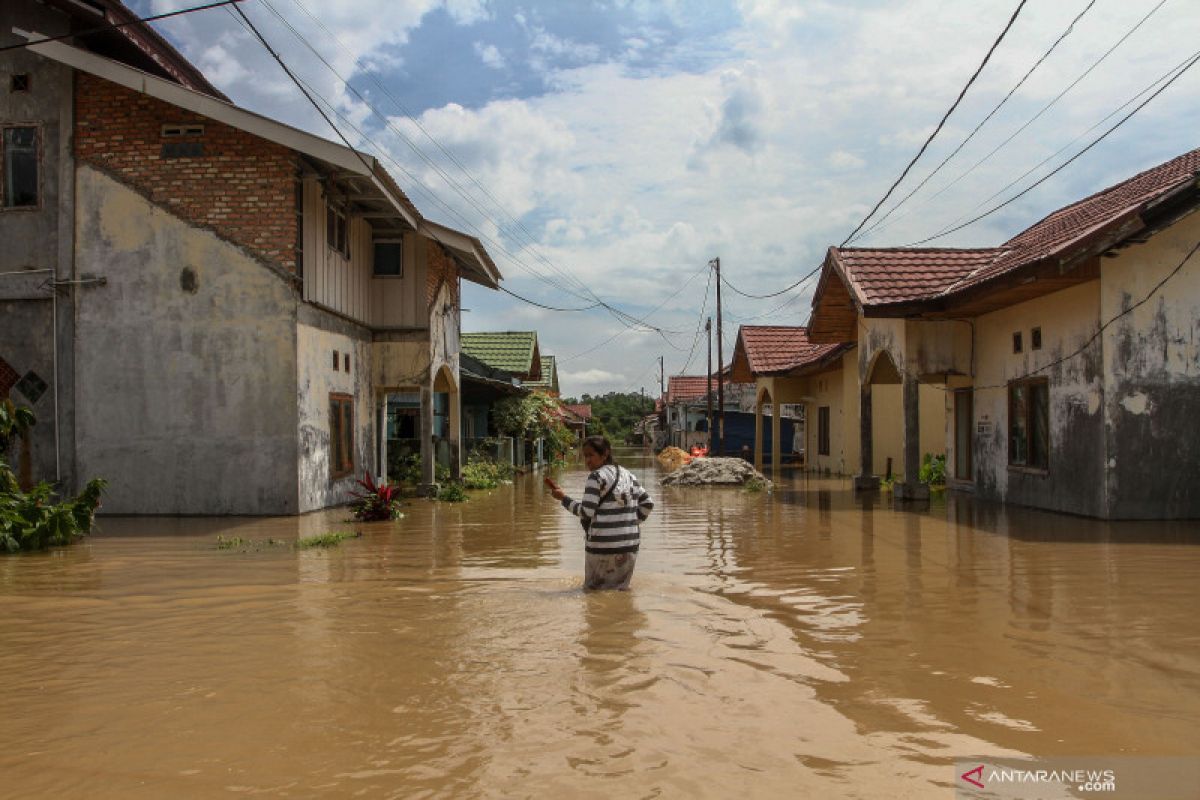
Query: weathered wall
x,y
186,363
243,188
1075,479
1152,376
38,239
318,335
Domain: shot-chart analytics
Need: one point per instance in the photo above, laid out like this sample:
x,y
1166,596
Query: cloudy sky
x,y
611,149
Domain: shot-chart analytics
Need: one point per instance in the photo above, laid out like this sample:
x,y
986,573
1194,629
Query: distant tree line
x,y
614,414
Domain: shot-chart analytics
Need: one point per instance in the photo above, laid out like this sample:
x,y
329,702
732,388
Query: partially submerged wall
x,y
1074,480
1152,370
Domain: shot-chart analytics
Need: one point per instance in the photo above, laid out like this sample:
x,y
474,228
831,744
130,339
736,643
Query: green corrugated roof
x,y
549,381
511,351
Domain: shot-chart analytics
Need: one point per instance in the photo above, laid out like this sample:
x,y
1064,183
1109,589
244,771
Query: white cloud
x,y
841,159
490,55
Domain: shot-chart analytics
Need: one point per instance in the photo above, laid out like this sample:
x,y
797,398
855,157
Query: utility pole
x,y
716,263
708,390
662,387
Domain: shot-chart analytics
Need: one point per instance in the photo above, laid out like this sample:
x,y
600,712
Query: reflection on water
x,y
805,643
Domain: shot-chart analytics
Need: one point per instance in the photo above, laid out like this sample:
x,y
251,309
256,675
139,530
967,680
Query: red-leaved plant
x,y
379,501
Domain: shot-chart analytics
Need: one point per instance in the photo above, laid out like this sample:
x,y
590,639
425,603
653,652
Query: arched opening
x,y
446,424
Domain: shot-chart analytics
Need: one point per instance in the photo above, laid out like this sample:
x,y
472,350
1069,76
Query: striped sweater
x,y
615,524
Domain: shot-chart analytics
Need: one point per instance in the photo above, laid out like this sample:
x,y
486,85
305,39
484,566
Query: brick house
x,y
1066,359
217,312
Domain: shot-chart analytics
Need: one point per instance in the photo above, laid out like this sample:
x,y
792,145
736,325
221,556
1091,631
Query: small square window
x,y
336,361
388,256
1017,346
336,231
19,82
1035,339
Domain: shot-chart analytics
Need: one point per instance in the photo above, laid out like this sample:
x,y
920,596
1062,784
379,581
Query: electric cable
x,y
116,25
984,121
945,117
946,232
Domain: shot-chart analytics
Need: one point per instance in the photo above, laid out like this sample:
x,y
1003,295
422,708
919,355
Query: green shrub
x,y
933,469
34,521
755,485
451,493
483,473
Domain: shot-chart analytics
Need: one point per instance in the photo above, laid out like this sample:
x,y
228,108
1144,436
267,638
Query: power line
x,y
984,121
1181,65
449,155
441,173
116,25
699,325
1052,102
1065,164
625,318
945,117
540,305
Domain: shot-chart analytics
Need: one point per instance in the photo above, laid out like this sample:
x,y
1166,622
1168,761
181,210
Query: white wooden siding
x,y
348,286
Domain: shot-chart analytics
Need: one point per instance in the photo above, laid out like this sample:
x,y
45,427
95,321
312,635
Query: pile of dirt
x,y
715,471
673,458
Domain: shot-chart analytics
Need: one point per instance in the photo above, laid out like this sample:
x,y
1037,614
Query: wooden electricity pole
x,y
708,389
716,264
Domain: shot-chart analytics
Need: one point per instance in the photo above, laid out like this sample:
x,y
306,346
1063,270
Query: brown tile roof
x,y
880,276
687,387
583,411
897,275
772,349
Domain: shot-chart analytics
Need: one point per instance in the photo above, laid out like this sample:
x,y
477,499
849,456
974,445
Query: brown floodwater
x,y
804,643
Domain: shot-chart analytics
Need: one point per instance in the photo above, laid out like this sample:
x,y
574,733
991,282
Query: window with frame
x,y
823,431
336,231
341,436
20,166
1029,423
389,258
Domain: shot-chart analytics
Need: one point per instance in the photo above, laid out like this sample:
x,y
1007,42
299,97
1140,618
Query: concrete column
x,y
428,456
456,435
381,421
776,437
866,477
758,433
912,489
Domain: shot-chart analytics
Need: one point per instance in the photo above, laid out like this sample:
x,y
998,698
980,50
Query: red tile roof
x,y
897,275
771,349
687,387
583,411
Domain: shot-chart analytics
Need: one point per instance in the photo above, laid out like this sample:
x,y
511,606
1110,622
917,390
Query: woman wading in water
x,y
613,508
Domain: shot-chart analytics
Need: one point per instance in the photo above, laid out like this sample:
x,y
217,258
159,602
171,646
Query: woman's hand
x,y
555,490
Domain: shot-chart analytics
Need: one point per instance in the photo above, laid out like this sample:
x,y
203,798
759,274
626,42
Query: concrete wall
x,y
318,335
1075,480
39,240
1151,369
186,363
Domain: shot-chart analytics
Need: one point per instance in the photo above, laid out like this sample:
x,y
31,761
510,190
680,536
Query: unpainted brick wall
x,y
243,187
441,268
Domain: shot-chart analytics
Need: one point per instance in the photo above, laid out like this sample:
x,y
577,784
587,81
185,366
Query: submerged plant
x,y
33,520
755,485
377,502
330,539
451,493
933,469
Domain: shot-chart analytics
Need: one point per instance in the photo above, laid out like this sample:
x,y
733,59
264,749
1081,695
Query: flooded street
x,y
794,644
